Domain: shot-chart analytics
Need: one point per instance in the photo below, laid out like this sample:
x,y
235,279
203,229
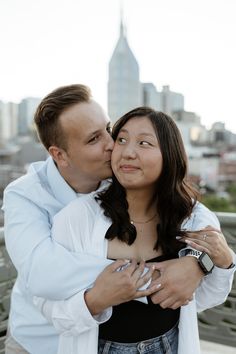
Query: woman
x,y
138,217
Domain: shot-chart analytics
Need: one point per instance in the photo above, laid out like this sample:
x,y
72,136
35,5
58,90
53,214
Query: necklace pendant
x,y
142,222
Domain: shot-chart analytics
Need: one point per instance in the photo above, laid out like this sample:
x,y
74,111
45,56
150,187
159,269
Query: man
x,y
75,131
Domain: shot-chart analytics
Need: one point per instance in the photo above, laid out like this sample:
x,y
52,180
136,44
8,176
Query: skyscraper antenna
x,y
122,26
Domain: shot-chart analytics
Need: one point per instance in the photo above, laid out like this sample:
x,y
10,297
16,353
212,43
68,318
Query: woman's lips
x,y
128,168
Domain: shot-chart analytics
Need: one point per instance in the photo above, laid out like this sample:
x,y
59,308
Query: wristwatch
x,y
204,260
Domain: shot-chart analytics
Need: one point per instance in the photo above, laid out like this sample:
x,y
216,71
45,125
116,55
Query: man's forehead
x,y
86,129
97,127
85,114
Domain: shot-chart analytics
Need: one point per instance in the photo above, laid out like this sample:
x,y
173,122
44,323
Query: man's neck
x,y
78,185
83,188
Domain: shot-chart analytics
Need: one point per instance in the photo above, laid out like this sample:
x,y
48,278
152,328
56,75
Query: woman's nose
x,y
129,151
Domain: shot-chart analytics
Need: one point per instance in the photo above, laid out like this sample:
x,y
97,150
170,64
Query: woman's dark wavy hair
x,y
175,198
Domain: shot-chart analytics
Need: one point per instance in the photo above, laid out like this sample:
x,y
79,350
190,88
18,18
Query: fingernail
x,y
126,261
178,237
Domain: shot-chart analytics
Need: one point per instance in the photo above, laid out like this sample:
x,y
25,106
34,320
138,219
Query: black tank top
x,y
135,321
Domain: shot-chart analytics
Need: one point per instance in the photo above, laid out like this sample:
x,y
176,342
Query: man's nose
x,y
110,142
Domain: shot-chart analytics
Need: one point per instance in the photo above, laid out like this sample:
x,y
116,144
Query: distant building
x,y
166,100
190,128
125,91
227,168
8,121
150,96
205,169
16,155
29,150
124,87
27,109
171,101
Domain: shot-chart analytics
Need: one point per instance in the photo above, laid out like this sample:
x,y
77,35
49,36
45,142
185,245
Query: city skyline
x,y
188,45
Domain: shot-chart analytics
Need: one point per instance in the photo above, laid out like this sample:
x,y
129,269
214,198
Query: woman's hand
x,y
213,242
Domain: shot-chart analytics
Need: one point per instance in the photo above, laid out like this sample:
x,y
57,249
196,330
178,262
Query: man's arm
x,y
88,309
48,269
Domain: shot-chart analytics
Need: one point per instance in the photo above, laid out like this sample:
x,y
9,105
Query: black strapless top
x,y
135,321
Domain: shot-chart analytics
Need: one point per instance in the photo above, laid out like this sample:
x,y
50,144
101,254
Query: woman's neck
x,y
142,205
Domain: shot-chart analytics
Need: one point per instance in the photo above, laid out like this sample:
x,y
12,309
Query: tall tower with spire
x,y
124,87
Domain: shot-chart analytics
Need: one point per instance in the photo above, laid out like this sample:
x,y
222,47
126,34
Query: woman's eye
x,y
143,142
121,140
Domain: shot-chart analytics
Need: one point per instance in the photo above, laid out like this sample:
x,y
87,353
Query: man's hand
x,y
116,285
178,280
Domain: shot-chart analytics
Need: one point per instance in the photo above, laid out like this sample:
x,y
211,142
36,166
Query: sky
x,y
189,45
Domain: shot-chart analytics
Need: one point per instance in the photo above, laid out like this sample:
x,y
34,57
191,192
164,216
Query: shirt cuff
x,y
75,318
224,271
183,251
71,316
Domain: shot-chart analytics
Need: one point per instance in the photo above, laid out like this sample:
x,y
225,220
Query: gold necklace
x,y
143,222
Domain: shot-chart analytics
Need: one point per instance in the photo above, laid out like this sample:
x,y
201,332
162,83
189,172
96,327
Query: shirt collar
x,y
61,189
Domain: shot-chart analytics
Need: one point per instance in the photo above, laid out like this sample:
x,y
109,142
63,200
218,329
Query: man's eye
x,y
93,139
109,129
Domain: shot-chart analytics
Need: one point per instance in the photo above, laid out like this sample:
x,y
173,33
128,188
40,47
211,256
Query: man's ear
x,y
59,155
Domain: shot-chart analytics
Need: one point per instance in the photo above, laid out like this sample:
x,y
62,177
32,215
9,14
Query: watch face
x,y
206,262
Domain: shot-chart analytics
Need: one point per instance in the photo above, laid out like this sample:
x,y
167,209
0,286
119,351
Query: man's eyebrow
x,y
93,133
98,131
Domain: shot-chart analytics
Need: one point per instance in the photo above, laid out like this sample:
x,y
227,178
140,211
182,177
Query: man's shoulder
x,y
34,176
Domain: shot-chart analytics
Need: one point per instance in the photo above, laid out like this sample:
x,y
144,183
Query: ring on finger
x,y
204,237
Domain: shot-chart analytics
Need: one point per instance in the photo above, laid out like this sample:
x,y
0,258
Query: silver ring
x,y
204,237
